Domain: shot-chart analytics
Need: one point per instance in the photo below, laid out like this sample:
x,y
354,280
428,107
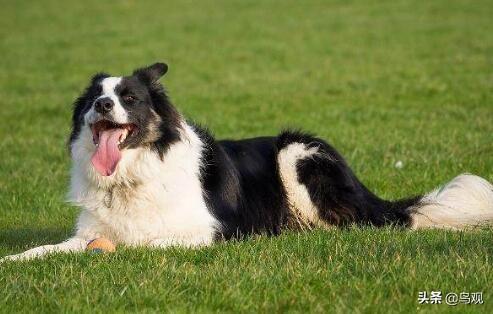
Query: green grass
x,y
381,80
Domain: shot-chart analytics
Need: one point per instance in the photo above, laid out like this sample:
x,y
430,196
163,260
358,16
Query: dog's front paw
x,y
27,255
10,258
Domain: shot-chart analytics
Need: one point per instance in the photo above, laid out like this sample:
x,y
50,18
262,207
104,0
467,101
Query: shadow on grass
x,y
23,238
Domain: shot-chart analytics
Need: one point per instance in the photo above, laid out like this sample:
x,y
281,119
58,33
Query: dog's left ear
x,y
153,72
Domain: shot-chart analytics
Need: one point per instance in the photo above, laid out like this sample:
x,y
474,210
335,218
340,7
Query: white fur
x,y
160,200
74,244
466,201
298,197
153,202
119,114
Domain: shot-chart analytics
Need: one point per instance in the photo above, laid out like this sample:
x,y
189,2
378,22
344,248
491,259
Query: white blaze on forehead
x,y
109,85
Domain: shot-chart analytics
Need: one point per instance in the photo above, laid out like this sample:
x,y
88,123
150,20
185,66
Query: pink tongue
x,y
107,154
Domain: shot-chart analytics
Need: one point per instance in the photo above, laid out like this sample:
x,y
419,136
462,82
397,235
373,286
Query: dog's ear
x,y
152,73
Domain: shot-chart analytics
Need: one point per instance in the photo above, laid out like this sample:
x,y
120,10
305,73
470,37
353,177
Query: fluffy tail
x,y
466,201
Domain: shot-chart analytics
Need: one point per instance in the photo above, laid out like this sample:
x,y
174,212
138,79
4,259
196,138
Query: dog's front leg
x,y
75,244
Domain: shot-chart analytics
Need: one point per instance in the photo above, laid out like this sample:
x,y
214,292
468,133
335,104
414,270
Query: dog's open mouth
x,y
110,138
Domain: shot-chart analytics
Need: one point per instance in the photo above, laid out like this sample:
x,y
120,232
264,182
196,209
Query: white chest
x,y
154,199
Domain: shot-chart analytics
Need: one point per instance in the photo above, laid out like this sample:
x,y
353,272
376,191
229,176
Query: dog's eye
x,y
129,98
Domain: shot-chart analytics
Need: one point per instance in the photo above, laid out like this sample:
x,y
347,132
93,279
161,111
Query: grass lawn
x,y
383,81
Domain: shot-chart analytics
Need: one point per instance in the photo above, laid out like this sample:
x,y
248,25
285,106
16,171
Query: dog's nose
x,y
103,105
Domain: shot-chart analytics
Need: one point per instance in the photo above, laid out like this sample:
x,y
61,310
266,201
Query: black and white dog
x,y
144,176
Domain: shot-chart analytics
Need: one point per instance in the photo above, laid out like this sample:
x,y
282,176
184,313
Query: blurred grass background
x,y
383,81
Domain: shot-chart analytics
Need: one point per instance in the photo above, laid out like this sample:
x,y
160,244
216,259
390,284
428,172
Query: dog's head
x,y
117,114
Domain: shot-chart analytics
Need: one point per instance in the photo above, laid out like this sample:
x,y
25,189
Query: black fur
x,y
338,194
83,103
240,179
150,108
242,185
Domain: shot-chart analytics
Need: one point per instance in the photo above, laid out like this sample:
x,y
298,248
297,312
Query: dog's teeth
x,y
123,136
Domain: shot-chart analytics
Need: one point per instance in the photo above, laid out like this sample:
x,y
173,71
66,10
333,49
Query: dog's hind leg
x,y
322,190
303,209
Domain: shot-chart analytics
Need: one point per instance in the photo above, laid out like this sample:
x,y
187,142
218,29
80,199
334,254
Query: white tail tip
x,y
466,201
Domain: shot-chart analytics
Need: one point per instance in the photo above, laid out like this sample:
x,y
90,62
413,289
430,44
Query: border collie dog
x,y
144,176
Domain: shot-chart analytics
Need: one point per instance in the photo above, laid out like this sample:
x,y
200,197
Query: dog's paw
x,y
10,258
27,255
